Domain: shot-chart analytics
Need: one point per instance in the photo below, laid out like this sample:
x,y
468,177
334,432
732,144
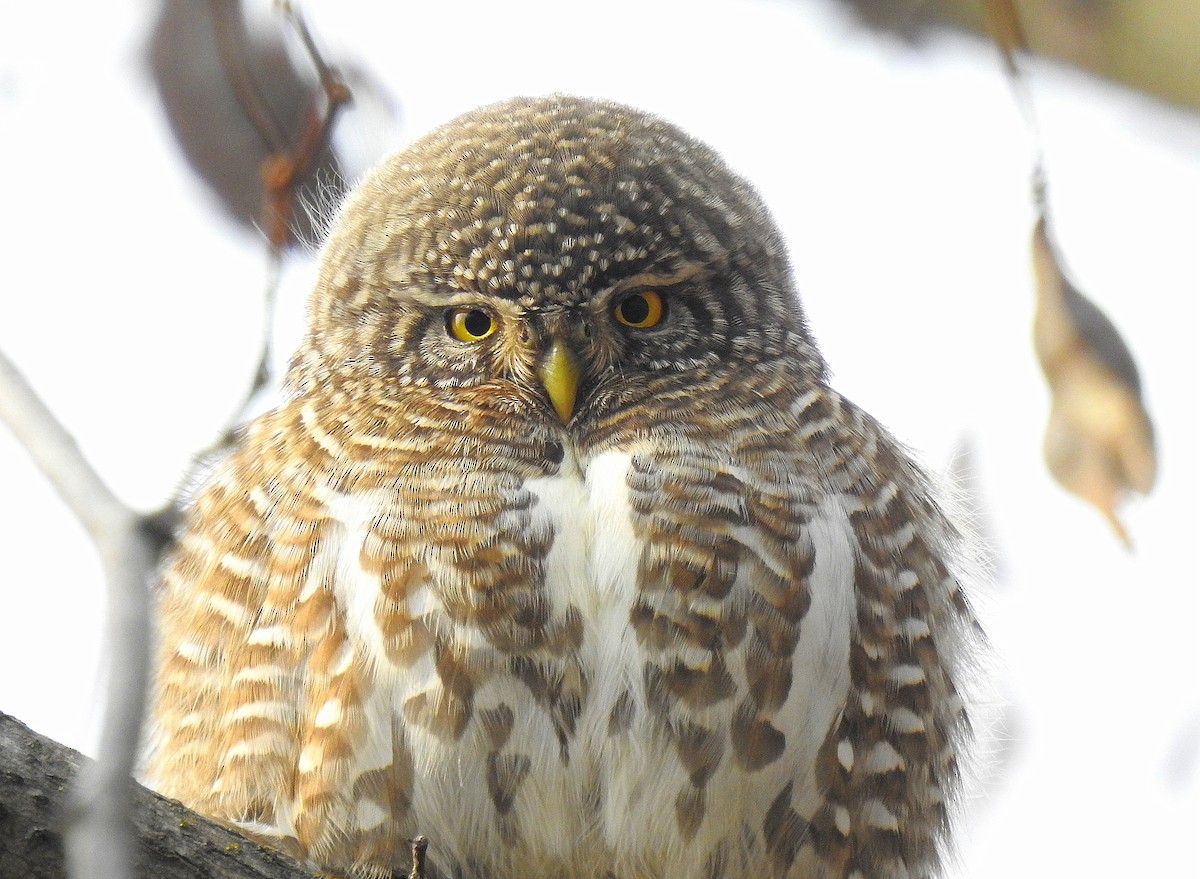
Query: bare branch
x,y
170,840
100,840
57,455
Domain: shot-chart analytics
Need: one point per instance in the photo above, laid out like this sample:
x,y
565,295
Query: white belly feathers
x,y
556,811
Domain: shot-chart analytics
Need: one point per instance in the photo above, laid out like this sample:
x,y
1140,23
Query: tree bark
x,y
37,776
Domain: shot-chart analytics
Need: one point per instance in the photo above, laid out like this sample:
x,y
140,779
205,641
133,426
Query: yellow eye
x,y
641,310
470,324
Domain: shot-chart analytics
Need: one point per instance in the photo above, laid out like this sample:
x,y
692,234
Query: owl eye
x,y
641,310
470,324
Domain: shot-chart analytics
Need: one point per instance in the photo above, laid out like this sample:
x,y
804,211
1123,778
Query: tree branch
x,y
57,454
100,846
171,841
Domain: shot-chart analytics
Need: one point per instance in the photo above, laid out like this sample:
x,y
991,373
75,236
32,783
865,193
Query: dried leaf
x,y
237,106
1099,441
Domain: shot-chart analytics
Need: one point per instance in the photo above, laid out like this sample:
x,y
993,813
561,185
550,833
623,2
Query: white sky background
x,y
900,178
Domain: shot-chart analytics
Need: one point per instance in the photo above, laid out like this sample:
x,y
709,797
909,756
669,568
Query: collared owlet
x,y
560,550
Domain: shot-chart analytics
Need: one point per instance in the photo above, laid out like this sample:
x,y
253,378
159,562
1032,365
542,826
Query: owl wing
x,y
800,613
888,767
245,597
307,619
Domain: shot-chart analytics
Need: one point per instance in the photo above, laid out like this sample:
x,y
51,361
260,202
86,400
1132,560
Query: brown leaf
x,y
1099,440
237,106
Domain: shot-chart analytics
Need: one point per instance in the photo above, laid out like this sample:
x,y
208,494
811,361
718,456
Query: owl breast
x,y
558,690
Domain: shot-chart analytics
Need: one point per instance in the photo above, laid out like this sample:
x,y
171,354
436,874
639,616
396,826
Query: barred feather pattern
x,y
710,625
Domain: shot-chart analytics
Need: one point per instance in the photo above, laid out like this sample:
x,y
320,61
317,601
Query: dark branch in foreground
x,y
173,842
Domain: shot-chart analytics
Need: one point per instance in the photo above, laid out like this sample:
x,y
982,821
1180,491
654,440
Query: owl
x,y
560,549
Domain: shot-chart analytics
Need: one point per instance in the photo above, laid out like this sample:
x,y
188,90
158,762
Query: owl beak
x,y
559,372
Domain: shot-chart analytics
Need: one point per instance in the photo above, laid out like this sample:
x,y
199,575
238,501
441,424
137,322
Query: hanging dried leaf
x,y
1099,438
251,124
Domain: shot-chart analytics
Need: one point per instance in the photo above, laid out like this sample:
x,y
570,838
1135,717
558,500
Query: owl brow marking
x,y
441,299
686,272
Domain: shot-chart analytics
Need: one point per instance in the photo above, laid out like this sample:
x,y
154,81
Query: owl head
x,y
555,256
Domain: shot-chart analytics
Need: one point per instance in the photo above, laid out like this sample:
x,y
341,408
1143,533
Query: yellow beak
x,y
559,372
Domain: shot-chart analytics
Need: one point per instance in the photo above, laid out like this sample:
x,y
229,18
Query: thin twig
x,y
1004,24
292,163
282,171
99,836
327,74
229,28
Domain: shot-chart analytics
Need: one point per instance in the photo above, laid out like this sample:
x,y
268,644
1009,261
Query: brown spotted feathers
x,y
575,598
